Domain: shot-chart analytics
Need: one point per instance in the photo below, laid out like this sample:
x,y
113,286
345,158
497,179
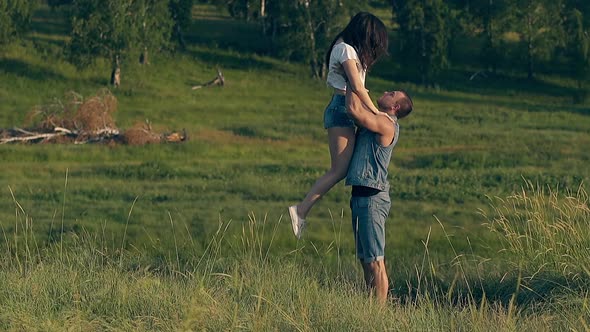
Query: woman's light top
x,y
336,76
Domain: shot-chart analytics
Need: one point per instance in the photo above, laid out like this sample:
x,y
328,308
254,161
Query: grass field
x,y
166,236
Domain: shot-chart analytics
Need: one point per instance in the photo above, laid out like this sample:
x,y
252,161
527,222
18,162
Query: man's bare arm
x,y
377,123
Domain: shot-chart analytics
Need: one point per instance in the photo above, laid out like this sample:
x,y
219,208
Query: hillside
x,y
134,229
257,144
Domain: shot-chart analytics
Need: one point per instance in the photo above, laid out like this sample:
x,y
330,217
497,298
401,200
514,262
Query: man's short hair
x,y
406,105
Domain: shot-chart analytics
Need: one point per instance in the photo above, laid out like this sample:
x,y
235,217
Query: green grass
x,y
256,146
241,280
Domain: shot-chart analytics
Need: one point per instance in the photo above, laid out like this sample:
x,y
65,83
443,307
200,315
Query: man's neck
x,y
391,114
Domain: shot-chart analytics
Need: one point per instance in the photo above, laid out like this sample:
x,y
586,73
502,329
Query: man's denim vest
x,y
370,160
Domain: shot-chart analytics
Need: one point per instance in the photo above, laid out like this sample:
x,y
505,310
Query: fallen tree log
x,y
81,121
219,80
31,137
133,136
79,137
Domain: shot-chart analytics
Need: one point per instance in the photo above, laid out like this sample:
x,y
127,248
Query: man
x,y
367,174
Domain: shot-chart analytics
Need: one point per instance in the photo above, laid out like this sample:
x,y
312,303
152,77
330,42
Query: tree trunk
x,y
490,36
530,65
247,5
116,73
530,48
324,65
312,47
180,36
143,58
263,16
423,62
324,70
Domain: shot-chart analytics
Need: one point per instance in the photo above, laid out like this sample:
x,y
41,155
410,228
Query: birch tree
x,y
15,18
303,29
116,29
423,37
540,25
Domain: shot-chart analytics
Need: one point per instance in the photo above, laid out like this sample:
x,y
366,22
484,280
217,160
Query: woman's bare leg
x,y
341,142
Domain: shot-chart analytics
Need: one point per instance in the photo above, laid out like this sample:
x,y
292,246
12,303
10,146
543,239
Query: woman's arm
x,y
351,68
373,122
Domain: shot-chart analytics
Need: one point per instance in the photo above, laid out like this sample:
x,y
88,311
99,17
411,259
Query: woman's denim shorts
x,y
335,114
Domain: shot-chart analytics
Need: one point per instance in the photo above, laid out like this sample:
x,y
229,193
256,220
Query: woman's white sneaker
x,y
297,222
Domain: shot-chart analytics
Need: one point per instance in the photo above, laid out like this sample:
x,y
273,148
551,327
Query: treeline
x,y
112,29
548,32
536,31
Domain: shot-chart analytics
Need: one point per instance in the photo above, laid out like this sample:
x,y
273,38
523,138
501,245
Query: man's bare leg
x,y
376,279
369,280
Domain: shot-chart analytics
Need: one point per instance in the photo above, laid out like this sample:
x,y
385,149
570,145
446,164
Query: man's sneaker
x,y
297,222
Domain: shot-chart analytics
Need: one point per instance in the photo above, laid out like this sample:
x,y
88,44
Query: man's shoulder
x,y
388,131
388,127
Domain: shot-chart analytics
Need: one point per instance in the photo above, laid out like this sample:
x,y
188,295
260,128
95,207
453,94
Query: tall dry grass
x,y
240,282
545,230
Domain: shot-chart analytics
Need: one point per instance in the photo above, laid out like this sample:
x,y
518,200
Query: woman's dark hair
x,y
368,35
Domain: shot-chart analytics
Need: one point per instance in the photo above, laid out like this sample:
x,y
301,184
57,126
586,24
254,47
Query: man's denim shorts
x,y
368,224
335,113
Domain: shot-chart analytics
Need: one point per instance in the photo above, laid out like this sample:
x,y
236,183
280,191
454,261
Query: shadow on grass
x,y
231,60
502,84
45,42
50,22
39,73
499,84
512,99
20,68
229,34
510,88
504,291
530,105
